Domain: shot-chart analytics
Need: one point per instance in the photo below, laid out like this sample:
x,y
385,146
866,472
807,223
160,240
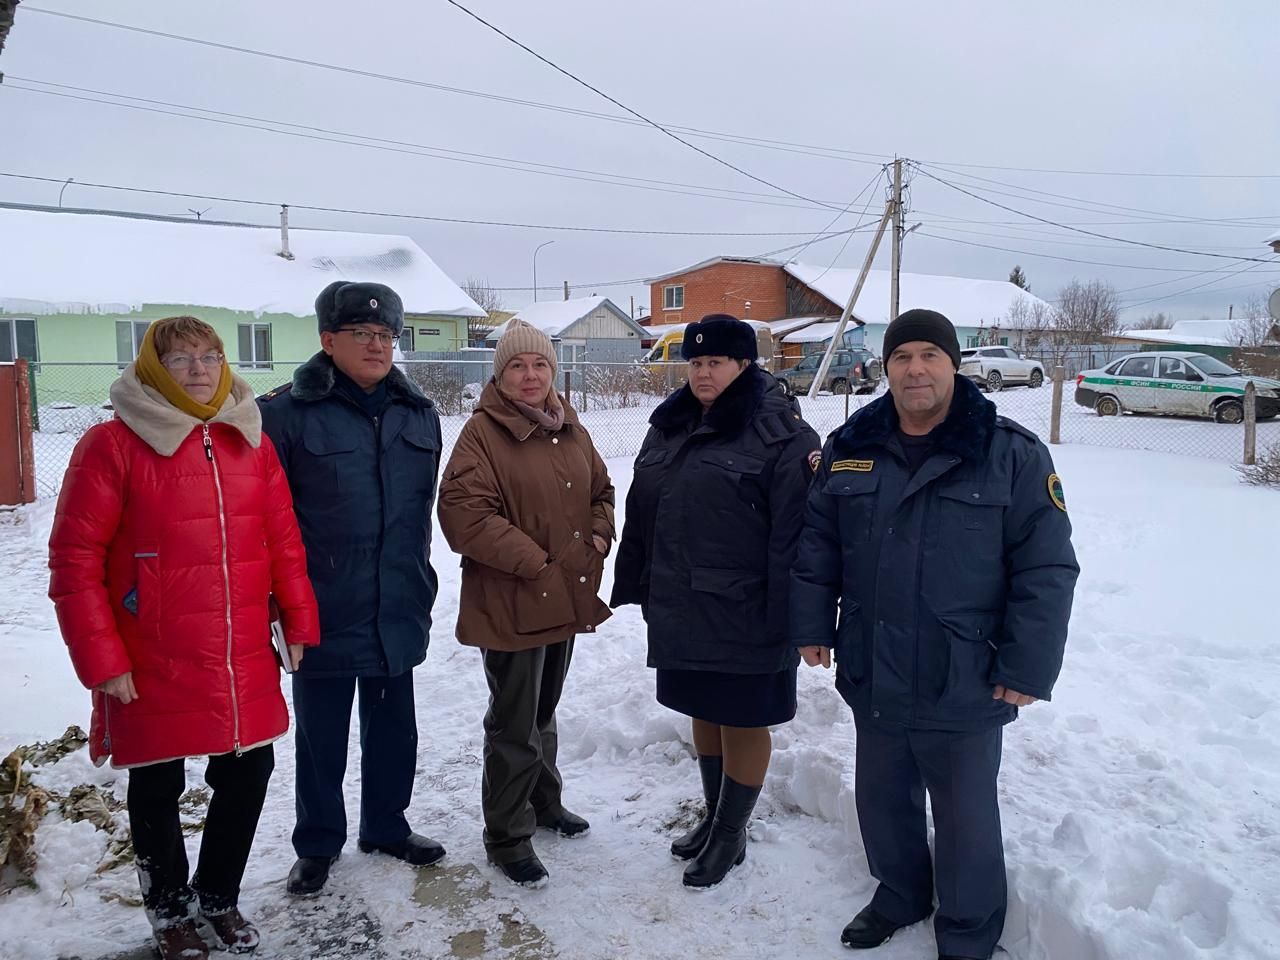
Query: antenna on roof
x,y
198,213
284,232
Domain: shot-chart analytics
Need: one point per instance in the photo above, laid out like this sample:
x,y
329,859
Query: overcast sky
x,y
1137,86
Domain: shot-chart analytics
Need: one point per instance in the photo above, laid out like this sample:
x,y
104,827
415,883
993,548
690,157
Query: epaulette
x,y
777,427
1016,427
272,394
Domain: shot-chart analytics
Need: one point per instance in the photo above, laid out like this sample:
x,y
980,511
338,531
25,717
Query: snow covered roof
x,y
750,261
965,302
1209,333
782,327
1274,238
553,317
60,262
817,332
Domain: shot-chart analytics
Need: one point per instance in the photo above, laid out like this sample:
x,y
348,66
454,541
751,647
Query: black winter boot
x,y
690,845
727,845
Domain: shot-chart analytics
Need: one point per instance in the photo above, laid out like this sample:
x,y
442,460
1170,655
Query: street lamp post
x,y
70,181
535,267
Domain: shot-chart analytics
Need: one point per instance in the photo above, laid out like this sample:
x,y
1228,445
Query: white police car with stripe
x,y
1174,383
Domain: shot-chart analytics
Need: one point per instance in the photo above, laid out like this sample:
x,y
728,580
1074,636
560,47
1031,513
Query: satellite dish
x,y
1273,304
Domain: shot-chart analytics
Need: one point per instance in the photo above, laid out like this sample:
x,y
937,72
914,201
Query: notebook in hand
x,y
282,648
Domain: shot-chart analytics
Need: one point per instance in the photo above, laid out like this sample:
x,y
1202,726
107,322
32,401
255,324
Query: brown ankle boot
x,y
231,931
180,941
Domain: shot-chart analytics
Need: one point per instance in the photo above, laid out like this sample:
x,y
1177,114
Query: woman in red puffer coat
x,y
174,529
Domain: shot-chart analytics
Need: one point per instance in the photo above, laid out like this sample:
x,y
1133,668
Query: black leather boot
x,y
727,845
690,845
309,875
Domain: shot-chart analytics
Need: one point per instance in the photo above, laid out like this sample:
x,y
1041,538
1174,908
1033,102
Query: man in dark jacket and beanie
x,y
361,447
937,531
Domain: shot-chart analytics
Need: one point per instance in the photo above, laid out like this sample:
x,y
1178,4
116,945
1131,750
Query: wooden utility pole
x,y
896,267
837,337
1250,424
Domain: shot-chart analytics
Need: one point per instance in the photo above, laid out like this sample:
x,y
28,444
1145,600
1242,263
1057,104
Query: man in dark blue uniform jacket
x,y
936,561
361,447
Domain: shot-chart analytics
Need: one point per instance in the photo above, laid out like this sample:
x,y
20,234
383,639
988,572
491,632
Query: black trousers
x,y
521,786
894,767
239,785
388,759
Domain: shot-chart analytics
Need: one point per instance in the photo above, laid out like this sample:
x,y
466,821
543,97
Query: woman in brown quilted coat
x,y
527,502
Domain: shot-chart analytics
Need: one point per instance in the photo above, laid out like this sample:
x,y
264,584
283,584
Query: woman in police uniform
x,y
715,508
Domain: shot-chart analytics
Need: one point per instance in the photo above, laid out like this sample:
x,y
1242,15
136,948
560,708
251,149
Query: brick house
x,y
795,297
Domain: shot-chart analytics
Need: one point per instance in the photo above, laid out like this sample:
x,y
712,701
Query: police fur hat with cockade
x,y
719,335
342,302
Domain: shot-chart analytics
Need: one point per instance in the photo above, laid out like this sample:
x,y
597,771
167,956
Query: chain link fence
x,y
614,402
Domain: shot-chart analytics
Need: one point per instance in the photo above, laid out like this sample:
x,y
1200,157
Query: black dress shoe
x,y
567,825
416,850
869,929
528,872
309,875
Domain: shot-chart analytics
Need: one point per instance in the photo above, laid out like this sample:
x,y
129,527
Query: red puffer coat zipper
x,y
170,537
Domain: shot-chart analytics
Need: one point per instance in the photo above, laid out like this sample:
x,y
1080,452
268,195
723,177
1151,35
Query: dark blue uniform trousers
x,y
895,766
388,759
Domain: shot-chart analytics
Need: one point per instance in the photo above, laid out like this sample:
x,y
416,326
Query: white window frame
x,y
13,337
137,330
669,297
254,362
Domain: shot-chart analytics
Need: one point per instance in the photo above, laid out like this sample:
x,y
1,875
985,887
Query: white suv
x,y
994,368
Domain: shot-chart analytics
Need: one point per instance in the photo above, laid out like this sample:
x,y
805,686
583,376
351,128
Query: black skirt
x,y
730,699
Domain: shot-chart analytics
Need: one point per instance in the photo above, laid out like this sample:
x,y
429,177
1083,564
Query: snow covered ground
x,y
1140,806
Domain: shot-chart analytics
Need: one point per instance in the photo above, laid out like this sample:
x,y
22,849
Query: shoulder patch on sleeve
x,y
1054,484
272,394
815,460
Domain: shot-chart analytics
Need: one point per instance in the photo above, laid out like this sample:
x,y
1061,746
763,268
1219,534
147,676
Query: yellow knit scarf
x,y
154,374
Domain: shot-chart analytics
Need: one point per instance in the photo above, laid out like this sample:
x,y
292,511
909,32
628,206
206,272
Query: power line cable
x,y
1170,217
574,228
622,106
816,150
1088,233
418,150
1051,256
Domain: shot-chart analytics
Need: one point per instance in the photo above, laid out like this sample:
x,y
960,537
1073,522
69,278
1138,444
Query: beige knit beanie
x,y
521,337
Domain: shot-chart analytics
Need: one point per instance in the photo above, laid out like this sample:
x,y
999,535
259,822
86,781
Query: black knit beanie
x,y
927,325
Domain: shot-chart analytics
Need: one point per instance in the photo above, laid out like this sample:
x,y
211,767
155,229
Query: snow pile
x,y
53,262
1139,807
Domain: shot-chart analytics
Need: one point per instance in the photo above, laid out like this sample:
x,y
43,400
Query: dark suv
x,y
853,370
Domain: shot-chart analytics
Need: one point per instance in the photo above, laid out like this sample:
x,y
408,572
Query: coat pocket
x,y
969,649
415,470
544,602
146,592
971,519
855,496
850,651
733,603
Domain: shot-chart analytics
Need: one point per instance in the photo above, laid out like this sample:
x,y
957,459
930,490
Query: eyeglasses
x,y
365,337
183,361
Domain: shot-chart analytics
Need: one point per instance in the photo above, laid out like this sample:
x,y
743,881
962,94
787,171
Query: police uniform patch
x,y
1055,492
857,466
815,460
